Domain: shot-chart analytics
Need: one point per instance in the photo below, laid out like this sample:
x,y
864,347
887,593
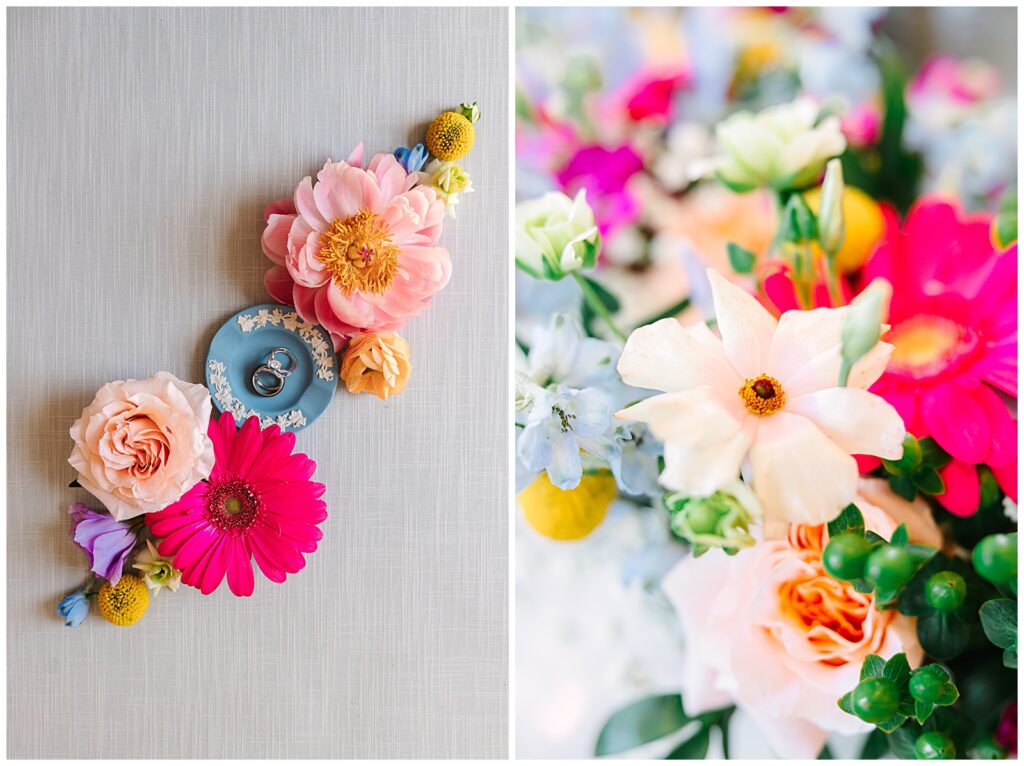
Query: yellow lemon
x,y
450,136
570,514
864,224
125,603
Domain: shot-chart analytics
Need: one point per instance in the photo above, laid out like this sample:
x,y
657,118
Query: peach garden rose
x,y
141,444
770,631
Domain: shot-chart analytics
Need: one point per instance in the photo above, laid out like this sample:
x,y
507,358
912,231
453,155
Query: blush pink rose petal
x,y
755,635
141,444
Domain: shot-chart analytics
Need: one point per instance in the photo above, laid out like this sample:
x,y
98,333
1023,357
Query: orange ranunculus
x,y
377,362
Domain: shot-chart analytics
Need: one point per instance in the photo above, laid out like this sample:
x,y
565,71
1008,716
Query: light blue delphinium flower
x,y
560,422
561,392
74,608
413,159
638,474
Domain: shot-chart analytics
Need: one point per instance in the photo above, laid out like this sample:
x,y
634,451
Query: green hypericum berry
x,y
845,555
945,591
889,568
995,558
876,700
924,686
934,746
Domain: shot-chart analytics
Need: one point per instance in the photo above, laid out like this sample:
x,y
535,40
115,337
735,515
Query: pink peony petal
x,y
275,237
279,284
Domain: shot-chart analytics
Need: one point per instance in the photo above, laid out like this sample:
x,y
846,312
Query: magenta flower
x,y
105,540
604,173
258,503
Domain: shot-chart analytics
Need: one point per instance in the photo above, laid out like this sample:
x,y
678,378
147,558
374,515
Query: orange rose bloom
x,y
377,362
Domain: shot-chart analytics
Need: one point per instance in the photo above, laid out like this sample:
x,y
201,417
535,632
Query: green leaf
x,y
903,487
1005,228
999,621
693,749
846,703
733,185
587,313
850,519
897,669
873,667
741,259
825,754
901,742
928,481
932,455
641,722
1010,657
875,746
892,724
943,636
922,710
900,537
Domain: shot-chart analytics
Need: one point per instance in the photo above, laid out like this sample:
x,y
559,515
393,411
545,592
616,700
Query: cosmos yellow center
x,y
359,253
763,395
925,345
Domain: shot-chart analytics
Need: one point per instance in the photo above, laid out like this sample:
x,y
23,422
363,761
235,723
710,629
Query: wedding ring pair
x,y
268,378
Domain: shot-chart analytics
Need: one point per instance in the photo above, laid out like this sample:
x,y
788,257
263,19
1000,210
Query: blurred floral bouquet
x,y
768,289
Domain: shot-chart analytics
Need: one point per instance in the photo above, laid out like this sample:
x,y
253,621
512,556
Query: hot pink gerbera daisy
x,y
356,251
954,329
258,503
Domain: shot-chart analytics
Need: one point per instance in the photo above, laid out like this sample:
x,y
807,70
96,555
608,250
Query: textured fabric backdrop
x,y
143,146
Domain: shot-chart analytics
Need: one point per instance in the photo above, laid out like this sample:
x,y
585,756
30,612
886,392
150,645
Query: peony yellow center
x,y
763,395
359,253
926,345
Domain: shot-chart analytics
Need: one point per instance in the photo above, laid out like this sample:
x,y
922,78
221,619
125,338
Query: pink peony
x,y
141,444
259,503
770,631
954,81
357,250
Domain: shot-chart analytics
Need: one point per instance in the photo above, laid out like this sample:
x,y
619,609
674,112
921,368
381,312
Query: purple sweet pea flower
x,y
106,541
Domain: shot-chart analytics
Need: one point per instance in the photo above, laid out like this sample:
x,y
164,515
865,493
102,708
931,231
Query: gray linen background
x,y
142,148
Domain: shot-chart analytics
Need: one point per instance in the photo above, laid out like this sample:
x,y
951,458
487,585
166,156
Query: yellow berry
x,y
863,222
125,603
570,514
450,136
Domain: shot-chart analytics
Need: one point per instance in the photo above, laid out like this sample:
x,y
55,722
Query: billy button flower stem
x,y
597,305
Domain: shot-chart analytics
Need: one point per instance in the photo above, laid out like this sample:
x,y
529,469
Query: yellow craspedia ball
x,y
570,514
124,603
450,136
864,224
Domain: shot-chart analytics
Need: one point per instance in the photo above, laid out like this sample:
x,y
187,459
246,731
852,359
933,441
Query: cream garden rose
x,y
141,444
770,631
782,147
556,235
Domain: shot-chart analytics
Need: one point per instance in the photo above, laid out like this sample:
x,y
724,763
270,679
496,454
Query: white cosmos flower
x,y
763,398
782,147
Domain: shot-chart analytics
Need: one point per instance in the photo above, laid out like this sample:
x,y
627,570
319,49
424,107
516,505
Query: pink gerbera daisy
x,y
954,331
258,503
356,251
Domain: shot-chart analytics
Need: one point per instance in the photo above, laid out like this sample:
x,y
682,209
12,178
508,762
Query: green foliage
x,y
741,259
588,315
918,468
668,313
641,722
999,621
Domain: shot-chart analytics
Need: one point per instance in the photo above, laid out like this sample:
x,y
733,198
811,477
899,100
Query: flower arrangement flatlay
x,y
187,496
770,300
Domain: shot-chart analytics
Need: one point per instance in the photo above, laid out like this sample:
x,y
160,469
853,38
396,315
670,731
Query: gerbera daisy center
x,y
232,505
925,345
359,253
762,395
